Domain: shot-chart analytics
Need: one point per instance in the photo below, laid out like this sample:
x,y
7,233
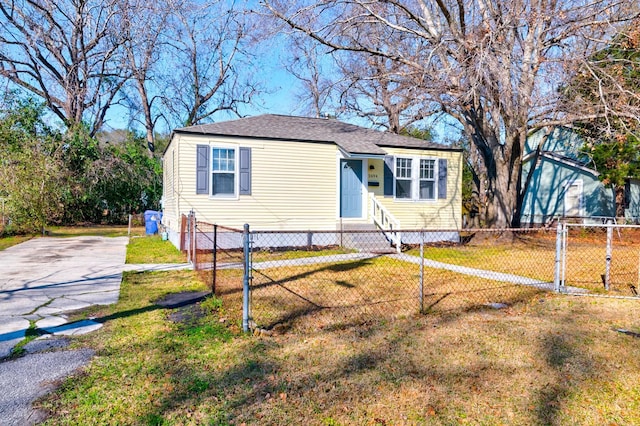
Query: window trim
x,y
433,179
578,183
411,163
236,153
416,164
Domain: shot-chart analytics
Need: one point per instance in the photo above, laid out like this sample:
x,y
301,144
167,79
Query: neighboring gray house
x,y
563,185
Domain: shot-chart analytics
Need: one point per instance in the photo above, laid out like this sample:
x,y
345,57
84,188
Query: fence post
x,y
565,235
215,259
188,243
607,269
556,275
245,280
422,272
194,252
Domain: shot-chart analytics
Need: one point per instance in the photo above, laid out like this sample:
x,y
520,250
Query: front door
x,y
350,188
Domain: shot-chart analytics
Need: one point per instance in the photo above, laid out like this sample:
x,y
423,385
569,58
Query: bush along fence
x,y
326,279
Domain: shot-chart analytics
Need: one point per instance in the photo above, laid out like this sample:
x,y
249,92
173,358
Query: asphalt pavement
x,y
25,379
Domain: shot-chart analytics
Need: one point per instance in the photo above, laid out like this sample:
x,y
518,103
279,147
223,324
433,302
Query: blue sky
x,y
281,94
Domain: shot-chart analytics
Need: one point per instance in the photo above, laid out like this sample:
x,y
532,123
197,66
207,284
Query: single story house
x,y
278,172
563,184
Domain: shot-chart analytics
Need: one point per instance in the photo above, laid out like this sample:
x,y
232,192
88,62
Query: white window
x,y
573,199
403,178
427,179
415,178
223,172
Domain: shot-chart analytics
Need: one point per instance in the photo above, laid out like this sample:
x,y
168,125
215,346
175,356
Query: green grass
x,y
151,249
6,242
547,359
94,230
74,231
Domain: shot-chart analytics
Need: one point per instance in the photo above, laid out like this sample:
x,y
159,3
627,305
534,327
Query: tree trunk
x,y
619,191
499,167
502,197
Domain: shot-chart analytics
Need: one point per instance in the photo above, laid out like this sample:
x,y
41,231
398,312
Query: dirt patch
x,y
185,306
189,314
177,300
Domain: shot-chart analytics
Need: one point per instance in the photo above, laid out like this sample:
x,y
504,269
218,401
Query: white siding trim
x,y
339,156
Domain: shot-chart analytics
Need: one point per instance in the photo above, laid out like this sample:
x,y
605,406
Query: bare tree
x,y
207,61
349,83
606,85
144,45
66,52
494,66
383,91
310,64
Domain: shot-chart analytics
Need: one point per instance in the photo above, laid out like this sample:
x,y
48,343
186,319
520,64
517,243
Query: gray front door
x,y
350,188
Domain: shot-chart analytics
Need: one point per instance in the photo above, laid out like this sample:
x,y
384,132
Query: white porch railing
x,y
385,221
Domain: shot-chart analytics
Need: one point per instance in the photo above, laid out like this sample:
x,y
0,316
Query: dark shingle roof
x,y
353,139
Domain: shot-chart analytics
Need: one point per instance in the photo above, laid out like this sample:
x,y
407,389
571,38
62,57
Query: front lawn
x,y
6,242
152,249
94,230
548,359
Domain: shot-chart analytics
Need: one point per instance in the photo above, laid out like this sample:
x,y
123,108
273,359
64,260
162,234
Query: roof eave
x,y
264,138
431,148
569,162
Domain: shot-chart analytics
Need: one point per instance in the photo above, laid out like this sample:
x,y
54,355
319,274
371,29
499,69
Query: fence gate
x,y
600,259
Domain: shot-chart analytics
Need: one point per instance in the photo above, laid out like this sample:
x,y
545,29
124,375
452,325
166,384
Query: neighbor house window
x,y
223,171
573,199
403,178
427,180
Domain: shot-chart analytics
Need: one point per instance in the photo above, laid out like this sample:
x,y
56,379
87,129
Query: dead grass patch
x,y
533,256
544,360
343,293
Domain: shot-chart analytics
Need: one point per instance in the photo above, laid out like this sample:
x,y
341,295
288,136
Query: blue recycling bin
x,y
151,219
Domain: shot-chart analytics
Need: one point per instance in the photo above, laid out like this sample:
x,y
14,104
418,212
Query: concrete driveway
x,y
40,280
44,277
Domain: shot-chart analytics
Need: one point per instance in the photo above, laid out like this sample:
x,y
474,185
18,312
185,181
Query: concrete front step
x,y
359,227
370,239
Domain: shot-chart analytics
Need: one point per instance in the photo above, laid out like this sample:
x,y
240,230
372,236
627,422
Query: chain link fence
x,y
213,249
310,280
602,259
341,279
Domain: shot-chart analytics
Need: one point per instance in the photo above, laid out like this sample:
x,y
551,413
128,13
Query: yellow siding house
x,y
292,173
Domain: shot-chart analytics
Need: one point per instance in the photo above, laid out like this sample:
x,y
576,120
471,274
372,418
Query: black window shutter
x,y
442,178
245,171
202,169
388,175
